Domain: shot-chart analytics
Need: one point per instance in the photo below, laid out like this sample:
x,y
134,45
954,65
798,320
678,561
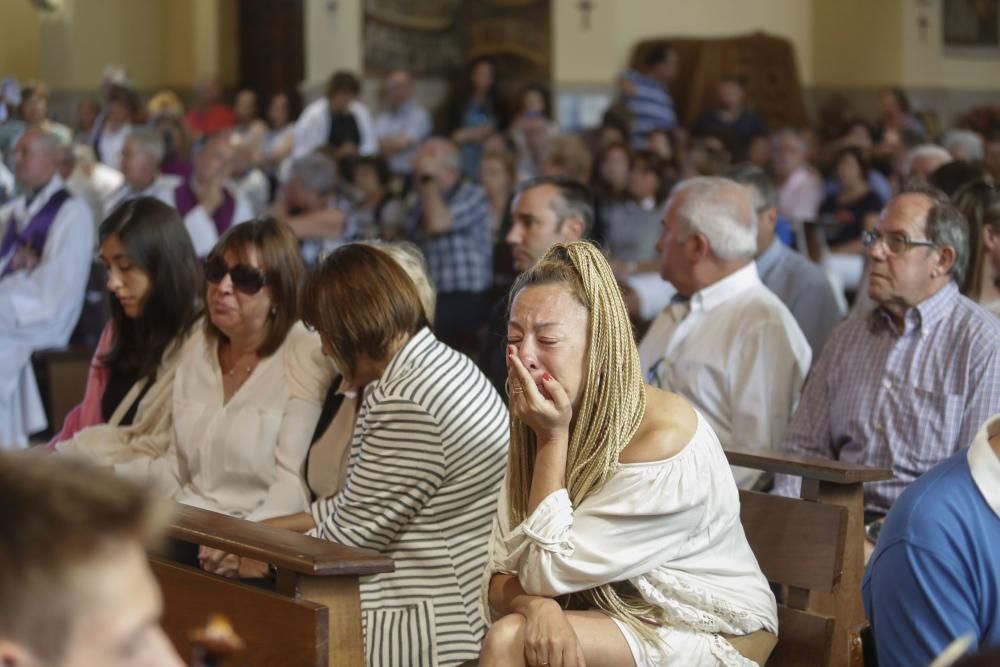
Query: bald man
x,y
727,343
46,245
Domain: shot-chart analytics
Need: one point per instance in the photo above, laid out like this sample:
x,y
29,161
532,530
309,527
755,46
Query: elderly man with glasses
x,y
907,384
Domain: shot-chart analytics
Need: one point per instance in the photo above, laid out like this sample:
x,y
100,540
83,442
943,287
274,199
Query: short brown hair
x,y
277,250
361,300
58,517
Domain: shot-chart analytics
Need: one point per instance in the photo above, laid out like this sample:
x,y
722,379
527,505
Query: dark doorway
x,y
272,43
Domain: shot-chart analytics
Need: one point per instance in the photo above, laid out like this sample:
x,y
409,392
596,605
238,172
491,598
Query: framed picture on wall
x,y
971,25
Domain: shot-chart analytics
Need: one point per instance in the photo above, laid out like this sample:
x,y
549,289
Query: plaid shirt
x,y
901,401
461,259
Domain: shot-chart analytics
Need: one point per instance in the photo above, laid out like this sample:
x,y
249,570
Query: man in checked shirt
x,y
907,384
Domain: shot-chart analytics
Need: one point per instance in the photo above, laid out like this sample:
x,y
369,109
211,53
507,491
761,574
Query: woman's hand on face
x,y
548,416
549,639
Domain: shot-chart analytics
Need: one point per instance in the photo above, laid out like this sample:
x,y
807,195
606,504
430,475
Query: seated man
x,y
140,161
76,587
727,343
544,211
403,124
46,245
907,383
308,203
800,284
206,201
451,224
339,121
933,576
800,189
731,120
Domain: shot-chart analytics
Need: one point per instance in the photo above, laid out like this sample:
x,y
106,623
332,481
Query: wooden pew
x,y
815,547
312,619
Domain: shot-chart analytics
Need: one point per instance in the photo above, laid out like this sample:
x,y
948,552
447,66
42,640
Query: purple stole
x,y
35,234
185,201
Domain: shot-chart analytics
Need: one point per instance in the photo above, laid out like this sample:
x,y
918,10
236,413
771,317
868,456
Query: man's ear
x,y
698,247
573,229
946,259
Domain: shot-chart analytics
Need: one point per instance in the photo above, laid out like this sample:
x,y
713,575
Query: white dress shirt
x,y
243,458
162,188
201,226
312,130
110,145
736,352
39,308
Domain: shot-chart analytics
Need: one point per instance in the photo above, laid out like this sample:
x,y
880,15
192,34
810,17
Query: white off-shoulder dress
x,y
672,529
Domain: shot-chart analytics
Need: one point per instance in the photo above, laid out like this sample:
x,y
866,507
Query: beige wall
x,y
928,65
597,54
857,43
19,44
333,39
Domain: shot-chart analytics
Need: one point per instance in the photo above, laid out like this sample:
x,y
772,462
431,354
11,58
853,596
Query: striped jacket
x,y
425,467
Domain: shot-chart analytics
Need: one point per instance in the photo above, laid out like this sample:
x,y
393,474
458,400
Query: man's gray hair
x,y
150,142
50,142
924,150
963,145
946,226
574,199
316,172
764,196
721,210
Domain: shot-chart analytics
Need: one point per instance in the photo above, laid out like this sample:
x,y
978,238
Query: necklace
x,y
236,367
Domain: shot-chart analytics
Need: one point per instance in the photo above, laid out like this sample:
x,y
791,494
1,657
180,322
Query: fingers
x,y
522,375
556,391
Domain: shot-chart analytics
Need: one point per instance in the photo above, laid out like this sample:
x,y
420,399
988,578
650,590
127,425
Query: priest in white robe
x,y
46,247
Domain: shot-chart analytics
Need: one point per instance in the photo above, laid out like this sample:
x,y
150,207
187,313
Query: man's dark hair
x,y
343,82
657,55
575,199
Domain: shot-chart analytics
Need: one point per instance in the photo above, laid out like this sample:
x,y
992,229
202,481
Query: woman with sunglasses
x,y
248,391
155,279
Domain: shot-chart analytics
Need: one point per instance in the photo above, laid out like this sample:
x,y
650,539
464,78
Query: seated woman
x,y
325,471
241,432
632,228
424,468
124,419
617,539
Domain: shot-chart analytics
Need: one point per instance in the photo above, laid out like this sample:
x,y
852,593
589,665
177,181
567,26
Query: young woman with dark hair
x,y
156,282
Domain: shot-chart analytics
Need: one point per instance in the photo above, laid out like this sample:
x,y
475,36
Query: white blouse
x,y
243,457
671,528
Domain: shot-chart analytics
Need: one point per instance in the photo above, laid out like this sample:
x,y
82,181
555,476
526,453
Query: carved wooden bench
x,y
814,547
313,618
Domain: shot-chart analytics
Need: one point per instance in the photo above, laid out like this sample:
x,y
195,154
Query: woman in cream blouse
x,y
241,430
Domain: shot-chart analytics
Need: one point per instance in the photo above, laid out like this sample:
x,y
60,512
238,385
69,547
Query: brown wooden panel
x,y
825,470
803,639
278,631
796,543
284,548
271,47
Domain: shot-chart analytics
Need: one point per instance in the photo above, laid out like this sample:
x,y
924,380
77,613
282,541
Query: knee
x,y
504,643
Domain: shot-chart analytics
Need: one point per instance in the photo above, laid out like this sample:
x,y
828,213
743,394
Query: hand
x,y
548,415
549,639
24,259
219,562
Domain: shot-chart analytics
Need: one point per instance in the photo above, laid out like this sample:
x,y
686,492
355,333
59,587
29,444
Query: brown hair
x,y
59,518
361,300
277,251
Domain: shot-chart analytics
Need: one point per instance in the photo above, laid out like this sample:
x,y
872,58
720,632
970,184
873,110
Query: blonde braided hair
x,y
608,411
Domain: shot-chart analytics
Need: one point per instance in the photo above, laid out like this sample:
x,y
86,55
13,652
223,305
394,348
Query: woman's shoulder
x,y
308,372
668,426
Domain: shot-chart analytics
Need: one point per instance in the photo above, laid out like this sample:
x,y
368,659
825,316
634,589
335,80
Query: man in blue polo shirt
x,y
935,573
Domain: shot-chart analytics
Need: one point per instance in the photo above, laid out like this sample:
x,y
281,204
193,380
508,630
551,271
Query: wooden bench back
x,y
277,630
799,545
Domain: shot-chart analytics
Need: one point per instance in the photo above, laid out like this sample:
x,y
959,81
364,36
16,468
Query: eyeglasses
x,y
896,243
246,279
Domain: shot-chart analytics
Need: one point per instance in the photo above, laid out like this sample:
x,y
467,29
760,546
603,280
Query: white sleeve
x,y
310,129
162,473
764,385
243,211
202,229
54,288
624,530
369,142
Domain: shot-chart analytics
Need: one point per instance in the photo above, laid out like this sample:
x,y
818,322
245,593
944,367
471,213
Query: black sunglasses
x,y
246,279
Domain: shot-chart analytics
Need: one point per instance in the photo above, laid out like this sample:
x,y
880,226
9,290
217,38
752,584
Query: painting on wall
x,y
971,24
436,38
